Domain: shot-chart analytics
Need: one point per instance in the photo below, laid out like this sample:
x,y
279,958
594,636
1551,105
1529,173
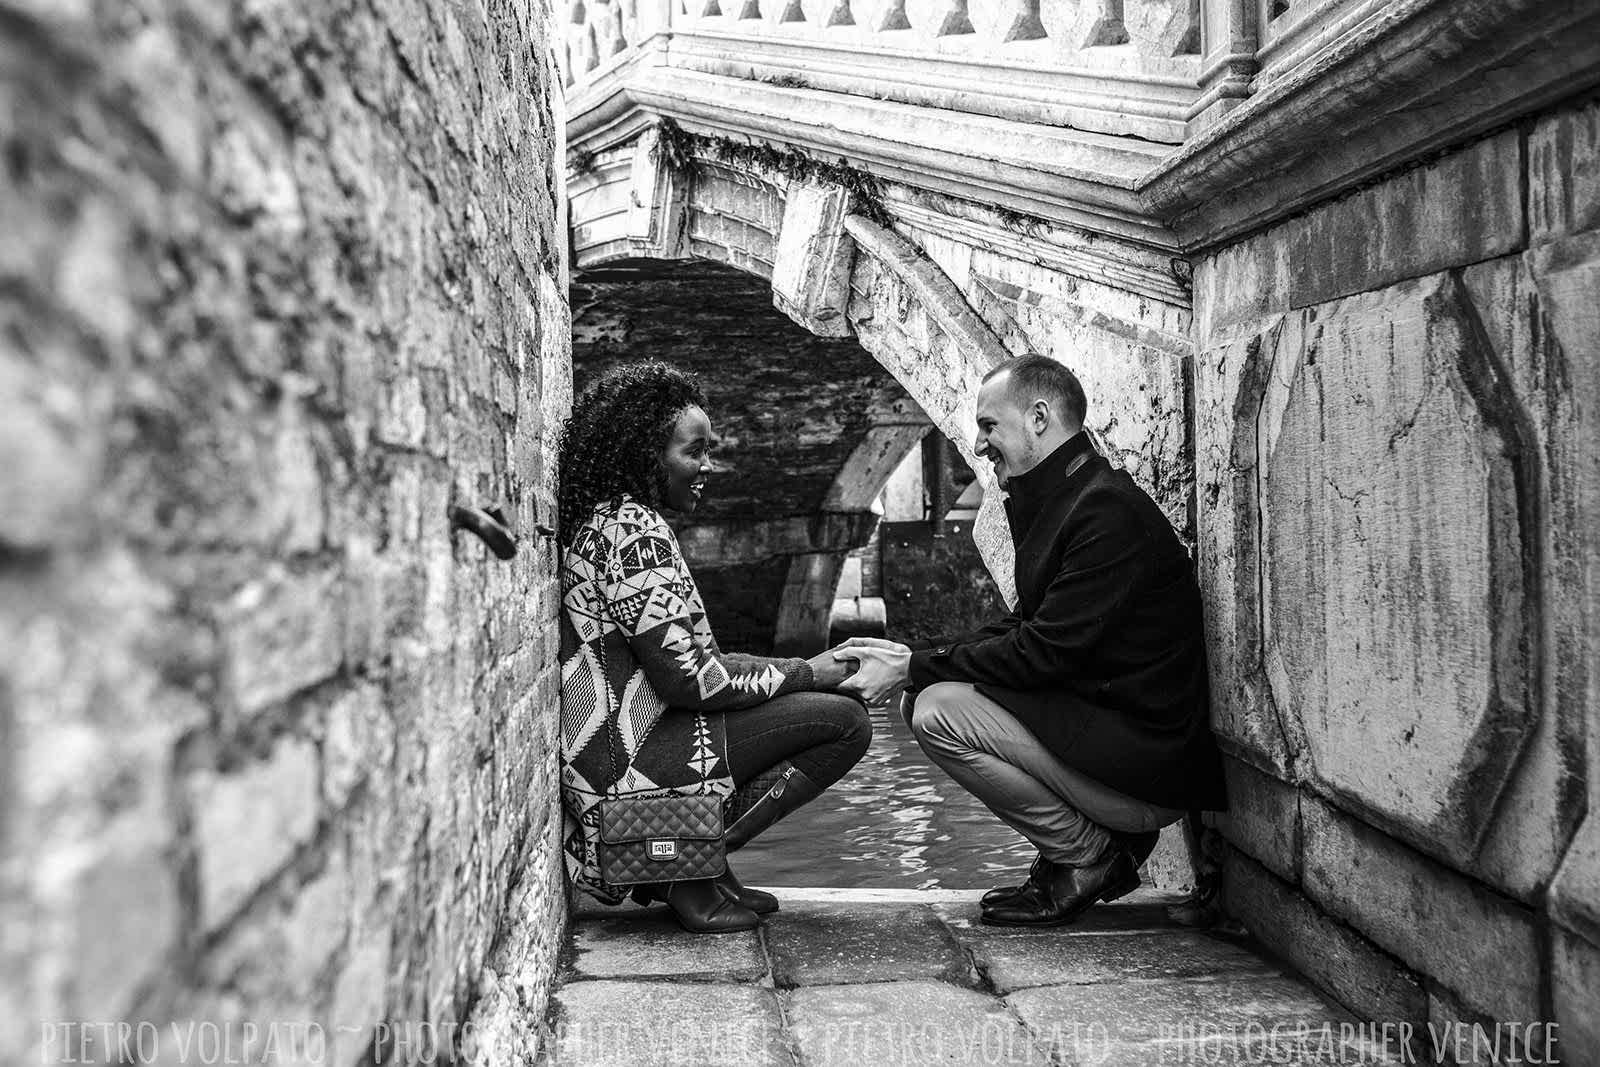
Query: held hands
x,y
881,668
829,672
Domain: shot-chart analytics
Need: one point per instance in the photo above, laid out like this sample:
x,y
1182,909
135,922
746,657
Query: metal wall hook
x,y
489,524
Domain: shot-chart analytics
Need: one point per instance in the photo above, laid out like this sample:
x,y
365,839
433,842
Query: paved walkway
x,y
887,977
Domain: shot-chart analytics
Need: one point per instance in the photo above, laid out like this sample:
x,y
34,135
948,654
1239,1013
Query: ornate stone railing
x,y
1158,70
1105,66
1170,123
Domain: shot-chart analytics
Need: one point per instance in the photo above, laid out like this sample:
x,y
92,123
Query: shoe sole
x,y
1064,921
721,930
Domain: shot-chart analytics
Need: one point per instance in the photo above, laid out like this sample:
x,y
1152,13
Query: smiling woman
x,y
650,705
687,459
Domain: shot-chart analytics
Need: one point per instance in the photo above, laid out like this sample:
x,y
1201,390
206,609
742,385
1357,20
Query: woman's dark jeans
x,y
822,734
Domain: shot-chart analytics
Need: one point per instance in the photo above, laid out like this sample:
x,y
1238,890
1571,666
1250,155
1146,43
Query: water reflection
x,y
895,822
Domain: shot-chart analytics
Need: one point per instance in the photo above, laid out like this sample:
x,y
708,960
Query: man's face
x,y
1008,433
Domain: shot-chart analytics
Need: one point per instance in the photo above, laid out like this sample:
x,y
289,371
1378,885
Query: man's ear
x,y
1039,415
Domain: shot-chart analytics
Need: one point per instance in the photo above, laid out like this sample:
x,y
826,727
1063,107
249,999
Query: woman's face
x,y
687,459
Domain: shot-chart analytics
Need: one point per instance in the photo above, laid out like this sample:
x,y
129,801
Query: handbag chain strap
x,y
606,550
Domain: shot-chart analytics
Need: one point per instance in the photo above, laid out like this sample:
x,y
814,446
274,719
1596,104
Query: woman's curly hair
x,y
612,442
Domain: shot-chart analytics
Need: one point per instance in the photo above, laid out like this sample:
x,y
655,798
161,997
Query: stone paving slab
x,y
891,980
1181,1021
1061,957
666,1024
815,943
909,1023
649,944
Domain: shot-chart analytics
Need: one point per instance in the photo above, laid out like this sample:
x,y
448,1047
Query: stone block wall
x,y
1398,492
278,283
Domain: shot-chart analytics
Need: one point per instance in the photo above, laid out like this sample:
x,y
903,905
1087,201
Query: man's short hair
x,y
1034,377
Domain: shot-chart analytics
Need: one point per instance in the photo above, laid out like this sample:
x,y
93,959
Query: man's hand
x,y
827,671
881,668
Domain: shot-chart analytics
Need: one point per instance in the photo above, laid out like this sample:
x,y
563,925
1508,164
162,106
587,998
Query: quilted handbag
x,y
660,839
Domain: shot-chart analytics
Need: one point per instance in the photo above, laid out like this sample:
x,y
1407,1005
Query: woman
x,y
649,704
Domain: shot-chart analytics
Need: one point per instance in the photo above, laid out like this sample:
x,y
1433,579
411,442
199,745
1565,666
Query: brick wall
x,y
278,282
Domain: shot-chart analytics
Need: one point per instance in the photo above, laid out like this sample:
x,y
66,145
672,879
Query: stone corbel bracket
x,y
658,197
895,284
811,270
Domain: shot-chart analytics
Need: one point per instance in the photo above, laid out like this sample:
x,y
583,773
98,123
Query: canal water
x,y
896,821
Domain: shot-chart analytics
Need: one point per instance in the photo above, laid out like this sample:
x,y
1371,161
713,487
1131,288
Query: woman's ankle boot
x,y
757,900
703,908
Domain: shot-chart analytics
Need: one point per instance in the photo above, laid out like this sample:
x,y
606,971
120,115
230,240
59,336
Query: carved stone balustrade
x,y
1114,117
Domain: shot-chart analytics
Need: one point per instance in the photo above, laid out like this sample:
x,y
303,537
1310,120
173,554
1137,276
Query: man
x,y
1081,717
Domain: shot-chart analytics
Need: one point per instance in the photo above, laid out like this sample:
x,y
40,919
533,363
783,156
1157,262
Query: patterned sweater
x,y
634,642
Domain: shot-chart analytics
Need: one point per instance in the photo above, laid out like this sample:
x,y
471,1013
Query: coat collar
x,y
1027,492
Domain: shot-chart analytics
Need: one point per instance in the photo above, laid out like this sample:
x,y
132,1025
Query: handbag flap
x,y
640,819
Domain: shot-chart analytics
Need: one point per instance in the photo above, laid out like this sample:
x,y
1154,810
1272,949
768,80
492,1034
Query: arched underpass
x,y
810,429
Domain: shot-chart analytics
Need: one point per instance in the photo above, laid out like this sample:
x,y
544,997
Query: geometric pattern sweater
x,y
634,642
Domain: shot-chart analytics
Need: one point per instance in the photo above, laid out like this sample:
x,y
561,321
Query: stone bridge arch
x,y
833,272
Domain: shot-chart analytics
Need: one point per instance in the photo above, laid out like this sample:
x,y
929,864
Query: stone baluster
x,y
651,17
591,49
1024,24
840,14
954,21
892,16
1106,26
1230,35
1181,37
617,38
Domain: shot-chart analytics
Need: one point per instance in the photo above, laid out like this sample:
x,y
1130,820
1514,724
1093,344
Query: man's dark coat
x,y
1103,659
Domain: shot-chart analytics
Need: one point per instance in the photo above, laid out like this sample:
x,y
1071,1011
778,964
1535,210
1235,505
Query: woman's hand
x,y
827,672
882,671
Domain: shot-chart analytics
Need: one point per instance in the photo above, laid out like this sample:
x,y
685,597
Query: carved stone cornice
x,y
1063,176
1407,78
1382,84
1104,97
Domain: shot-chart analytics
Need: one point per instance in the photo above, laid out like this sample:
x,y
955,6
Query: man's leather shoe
x,y
701,906
757,900
1004,894
1138,845
1064,893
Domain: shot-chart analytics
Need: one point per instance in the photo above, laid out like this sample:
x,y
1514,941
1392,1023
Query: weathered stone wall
x,y
1399,528
277,283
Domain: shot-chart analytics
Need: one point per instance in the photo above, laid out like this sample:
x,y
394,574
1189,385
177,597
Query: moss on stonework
x,y
1018,221
681,150
674,147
